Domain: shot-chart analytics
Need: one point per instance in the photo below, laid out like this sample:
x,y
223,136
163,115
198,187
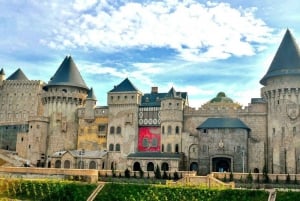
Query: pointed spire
x,y
91,94
17,75
171,93
286,60
2,72
125,85
67,75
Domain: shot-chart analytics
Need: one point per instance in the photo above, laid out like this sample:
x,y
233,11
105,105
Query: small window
x,y
169,148
112,130
118,147
169,130
294,130
162,148
177,130
111,147
163,130
176,148
118,130
102,128
111,98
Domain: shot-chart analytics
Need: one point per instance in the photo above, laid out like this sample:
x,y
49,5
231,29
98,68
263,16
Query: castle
x,y
58,124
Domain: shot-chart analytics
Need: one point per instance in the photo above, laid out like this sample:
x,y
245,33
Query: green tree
x,y
157,173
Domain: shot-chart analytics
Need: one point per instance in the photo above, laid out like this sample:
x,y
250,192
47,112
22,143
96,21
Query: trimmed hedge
x,y
135,192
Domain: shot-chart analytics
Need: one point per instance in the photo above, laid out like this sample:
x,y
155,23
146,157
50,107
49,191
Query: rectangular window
x,y
102,128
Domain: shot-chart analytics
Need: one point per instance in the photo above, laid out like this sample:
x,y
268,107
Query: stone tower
x,y
63,95
281,91
123,101
172,122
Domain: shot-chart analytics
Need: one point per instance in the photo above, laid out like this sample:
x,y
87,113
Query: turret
x,y
63,95
281,91
2,76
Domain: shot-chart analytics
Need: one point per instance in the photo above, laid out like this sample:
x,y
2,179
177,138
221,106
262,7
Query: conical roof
x,y
125,85
2,72
286,60
17,75
67,75
91,94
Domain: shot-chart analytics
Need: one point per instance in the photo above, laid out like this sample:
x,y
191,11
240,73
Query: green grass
x,y
287,196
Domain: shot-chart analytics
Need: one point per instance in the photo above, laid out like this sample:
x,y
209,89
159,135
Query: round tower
x,y
171,116
64,93
281,91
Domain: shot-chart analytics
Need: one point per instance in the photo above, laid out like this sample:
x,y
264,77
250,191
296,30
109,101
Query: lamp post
x,y
81,153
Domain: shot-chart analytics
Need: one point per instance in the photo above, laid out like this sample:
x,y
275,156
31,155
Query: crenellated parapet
x,y
222,110
76,98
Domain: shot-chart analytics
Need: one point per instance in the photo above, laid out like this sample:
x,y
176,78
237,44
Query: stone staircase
x,y
208,181
96,191
11,159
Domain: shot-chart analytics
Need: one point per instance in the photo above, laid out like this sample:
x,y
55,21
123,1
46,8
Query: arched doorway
x,y
57,164
67,164
194,166
221,164
93,165
165,166
150,166
136,166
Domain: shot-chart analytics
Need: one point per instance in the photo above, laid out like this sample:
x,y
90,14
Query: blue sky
x,y
201,47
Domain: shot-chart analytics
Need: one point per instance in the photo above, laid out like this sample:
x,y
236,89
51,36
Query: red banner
x,y
149,139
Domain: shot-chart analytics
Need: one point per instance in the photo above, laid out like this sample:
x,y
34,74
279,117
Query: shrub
x,y
157,173
165,176
127,173
176,176
141,173
249,177
231,176
266,178
288,179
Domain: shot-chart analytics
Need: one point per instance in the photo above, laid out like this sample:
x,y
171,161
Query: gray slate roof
x,y
154,99
154,155
2,72
125,85
211,123
17,75
77,154
91,94
67,75
286,60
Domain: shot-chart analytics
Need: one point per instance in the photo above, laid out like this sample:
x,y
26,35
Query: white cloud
x,y
197,31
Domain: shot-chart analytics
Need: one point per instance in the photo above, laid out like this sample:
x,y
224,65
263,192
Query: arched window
x,y
163,130
177,131
169,148
165,166
112,130
118,130
118,147
162,148
67,164
103,165
169,130
150,166
176,148
136,166
93,165
111,147
57,164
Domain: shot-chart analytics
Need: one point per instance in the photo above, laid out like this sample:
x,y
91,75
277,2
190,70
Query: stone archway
x,y
136,166
221,164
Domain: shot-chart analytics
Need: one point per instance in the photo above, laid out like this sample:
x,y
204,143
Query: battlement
x,y
19,83
61,96
221,110
273,93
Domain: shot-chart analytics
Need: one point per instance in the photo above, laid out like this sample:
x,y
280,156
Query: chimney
x,y
154,90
